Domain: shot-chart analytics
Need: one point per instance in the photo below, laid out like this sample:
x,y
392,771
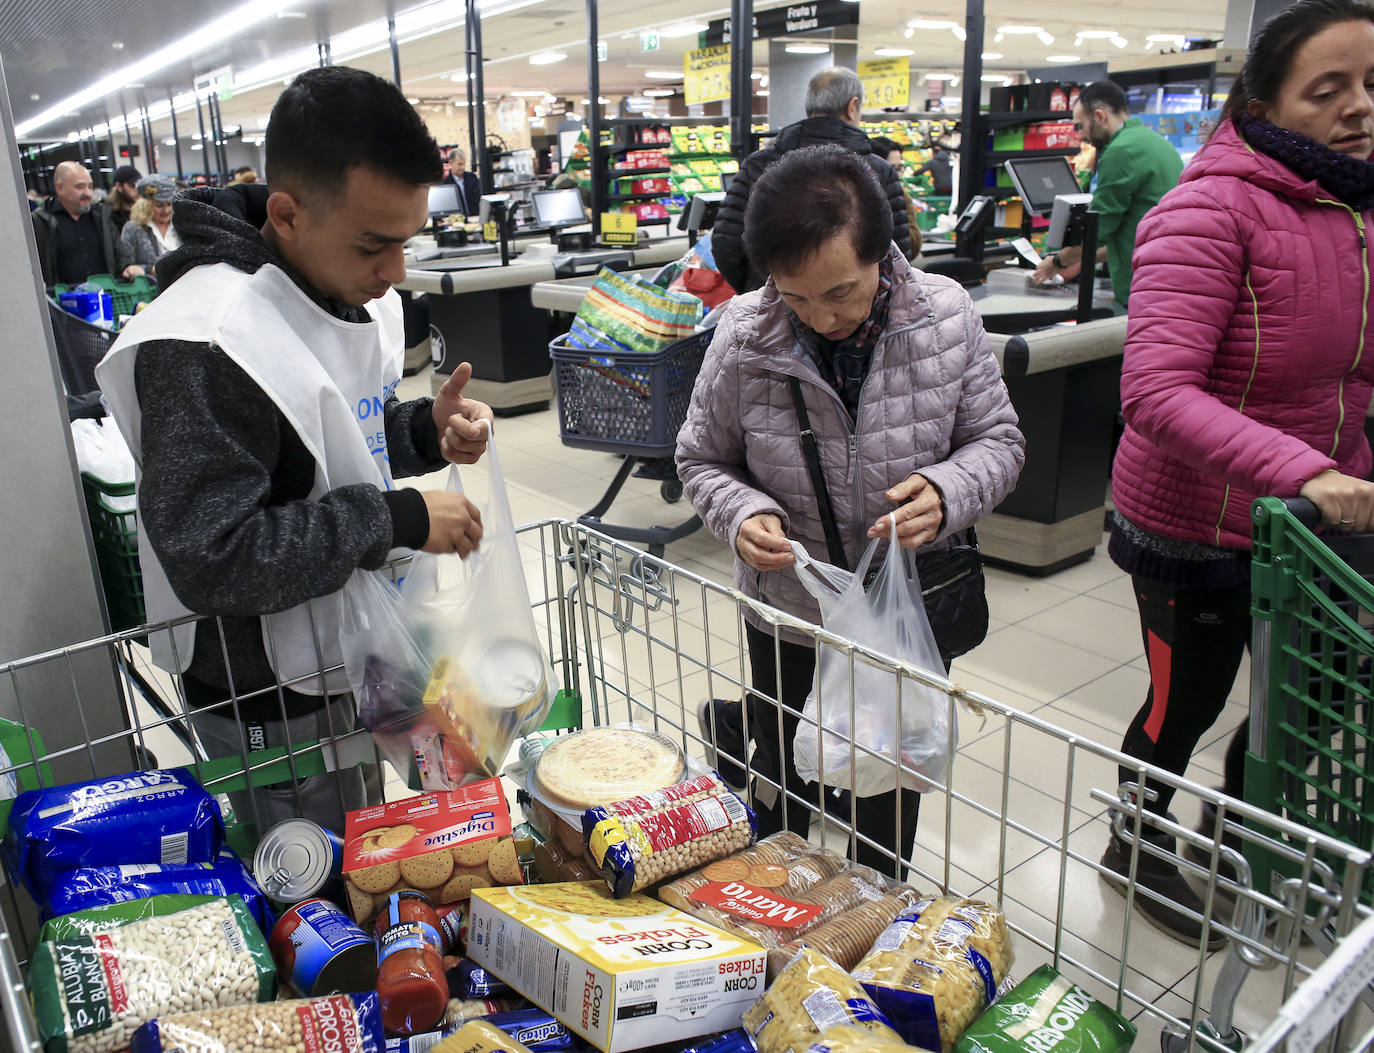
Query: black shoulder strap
x,y
813,467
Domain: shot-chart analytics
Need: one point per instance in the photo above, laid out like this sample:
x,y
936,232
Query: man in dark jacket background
x,y
76,236
834,101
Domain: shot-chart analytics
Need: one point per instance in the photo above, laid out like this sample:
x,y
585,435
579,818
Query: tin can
x,y
297,860
322,951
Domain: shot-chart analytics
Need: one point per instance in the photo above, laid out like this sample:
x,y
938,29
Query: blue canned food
x,y
297,860
320,950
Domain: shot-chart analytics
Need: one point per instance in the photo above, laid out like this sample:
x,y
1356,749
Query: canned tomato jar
x,y
297,860
322,951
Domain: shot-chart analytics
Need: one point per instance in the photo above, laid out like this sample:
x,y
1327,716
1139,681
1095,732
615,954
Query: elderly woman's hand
x,y
762,544
919,514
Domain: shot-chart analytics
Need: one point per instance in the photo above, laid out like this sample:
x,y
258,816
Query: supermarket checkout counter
x,y
1064,381
481,312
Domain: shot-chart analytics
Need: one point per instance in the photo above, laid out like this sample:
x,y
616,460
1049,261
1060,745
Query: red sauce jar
x,y
410,964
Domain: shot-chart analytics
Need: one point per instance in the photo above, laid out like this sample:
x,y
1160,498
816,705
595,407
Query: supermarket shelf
x,y
683,122
638,197
1007,120
635,173
625,148
996,157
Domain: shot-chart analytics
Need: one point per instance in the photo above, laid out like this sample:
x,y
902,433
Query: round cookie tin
x,y
297,860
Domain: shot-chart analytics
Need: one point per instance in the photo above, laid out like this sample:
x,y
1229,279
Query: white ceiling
x,y
513,30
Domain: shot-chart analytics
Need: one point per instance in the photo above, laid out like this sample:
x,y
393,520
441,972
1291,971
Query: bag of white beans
x,y
333,1024
91,993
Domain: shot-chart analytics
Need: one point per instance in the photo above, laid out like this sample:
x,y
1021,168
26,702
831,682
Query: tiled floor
x,y
1065,650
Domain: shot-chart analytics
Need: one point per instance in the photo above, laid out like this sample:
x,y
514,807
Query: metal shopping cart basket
x,y
633,405
1019,820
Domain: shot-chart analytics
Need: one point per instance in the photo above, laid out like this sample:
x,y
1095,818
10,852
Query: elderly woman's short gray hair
x,y
830,90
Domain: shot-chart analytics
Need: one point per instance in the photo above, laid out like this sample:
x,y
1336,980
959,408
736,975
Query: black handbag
x,y
952,584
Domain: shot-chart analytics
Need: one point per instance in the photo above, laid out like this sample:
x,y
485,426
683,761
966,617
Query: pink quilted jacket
x,y
1245,370
933,402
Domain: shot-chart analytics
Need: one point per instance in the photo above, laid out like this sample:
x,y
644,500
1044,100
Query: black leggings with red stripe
x,y
1194,641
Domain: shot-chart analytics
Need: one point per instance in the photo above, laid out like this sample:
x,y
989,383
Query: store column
x,y
1245,17
789,73
47,563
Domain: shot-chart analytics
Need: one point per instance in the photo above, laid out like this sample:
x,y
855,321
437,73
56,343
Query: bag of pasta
x,y
847,1038
811,995
936,967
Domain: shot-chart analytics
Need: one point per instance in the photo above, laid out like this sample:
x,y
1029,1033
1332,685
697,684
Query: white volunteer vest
x,y
329,378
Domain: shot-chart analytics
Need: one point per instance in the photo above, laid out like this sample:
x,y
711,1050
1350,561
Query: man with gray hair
x,y
834,101
469,187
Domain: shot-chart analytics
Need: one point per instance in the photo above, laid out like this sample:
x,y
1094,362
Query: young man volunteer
x,y
257,394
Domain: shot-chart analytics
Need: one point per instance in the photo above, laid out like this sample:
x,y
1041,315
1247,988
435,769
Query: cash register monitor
x,y
558,208
484,209
1039,180
443,200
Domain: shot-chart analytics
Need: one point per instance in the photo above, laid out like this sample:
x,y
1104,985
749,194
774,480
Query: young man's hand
x,y
462,436
455,524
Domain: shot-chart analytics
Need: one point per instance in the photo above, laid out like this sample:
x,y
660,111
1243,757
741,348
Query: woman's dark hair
x,y
1273,48
335,118
807,197
882,146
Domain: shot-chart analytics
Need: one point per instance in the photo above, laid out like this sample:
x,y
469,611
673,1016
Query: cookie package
x,y
444,844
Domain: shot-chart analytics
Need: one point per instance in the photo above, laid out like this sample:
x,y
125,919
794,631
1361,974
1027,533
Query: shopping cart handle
x,y
1303,510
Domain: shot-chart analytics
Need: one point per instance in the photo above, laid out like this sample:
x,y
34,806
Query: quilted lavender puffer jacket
x,y
933,403
1245,371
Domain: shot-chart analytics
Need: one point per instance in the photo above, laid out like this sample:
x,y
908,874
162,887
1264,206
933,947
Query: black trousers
x,y
1194,642
786,674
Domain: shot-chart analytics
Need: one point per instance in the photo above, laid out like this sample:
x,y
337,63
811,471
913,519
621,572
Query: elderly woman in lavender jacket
x,y
911,417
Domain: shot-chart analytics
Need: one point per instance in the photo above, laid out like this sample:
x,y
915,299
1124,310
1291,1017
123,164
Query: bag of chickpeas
x,y
91,993
337,1024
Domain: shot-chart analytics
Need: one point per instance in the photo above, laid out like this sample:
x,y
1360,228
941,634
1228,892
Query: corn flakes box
x,y
622,973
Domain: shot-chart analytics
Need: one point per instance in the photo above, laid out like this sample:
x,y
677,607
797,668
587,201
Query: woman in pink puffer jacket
x,y
1246,374
911,417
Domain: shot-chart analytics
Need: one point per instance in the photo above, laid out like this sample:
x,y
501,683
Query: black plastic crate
x,y
626,403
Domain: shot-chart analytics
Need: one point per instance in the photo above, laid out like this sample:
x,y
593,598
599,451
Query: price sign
x,y
490,232
619,228
706,75
887,82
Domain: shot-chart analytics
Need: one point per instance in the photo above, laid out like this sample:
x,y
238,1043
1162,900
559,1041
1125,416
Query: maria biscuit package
x,y
443,844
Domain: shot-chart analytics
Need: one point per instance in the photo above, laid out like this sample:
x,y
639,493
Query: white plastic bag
x,y
449,670
103,452
890,619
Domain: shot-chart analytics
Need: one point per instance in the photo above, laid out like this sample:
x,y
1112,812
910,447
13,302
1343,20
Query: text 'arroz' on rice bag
x,y
330,1024
77,890
1047,1012
161,816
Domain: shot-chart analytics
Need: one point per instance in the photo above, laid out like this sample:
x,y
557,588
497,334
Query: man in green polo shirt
x,y
1135,168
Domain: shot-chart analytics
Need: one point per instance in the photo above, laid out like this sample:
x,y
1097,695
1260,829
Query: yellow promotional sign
x,y
887,83
490,232
706,73
619,228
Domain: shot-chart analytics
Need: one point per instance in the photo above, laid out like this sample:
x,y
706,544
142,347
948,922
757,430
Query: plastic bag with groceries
x,y
448,668
860,720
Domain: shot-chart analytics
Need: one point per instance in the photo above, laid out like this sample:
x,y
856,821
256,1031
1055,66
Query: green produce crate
x,y
125,295
115,533
1314,709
